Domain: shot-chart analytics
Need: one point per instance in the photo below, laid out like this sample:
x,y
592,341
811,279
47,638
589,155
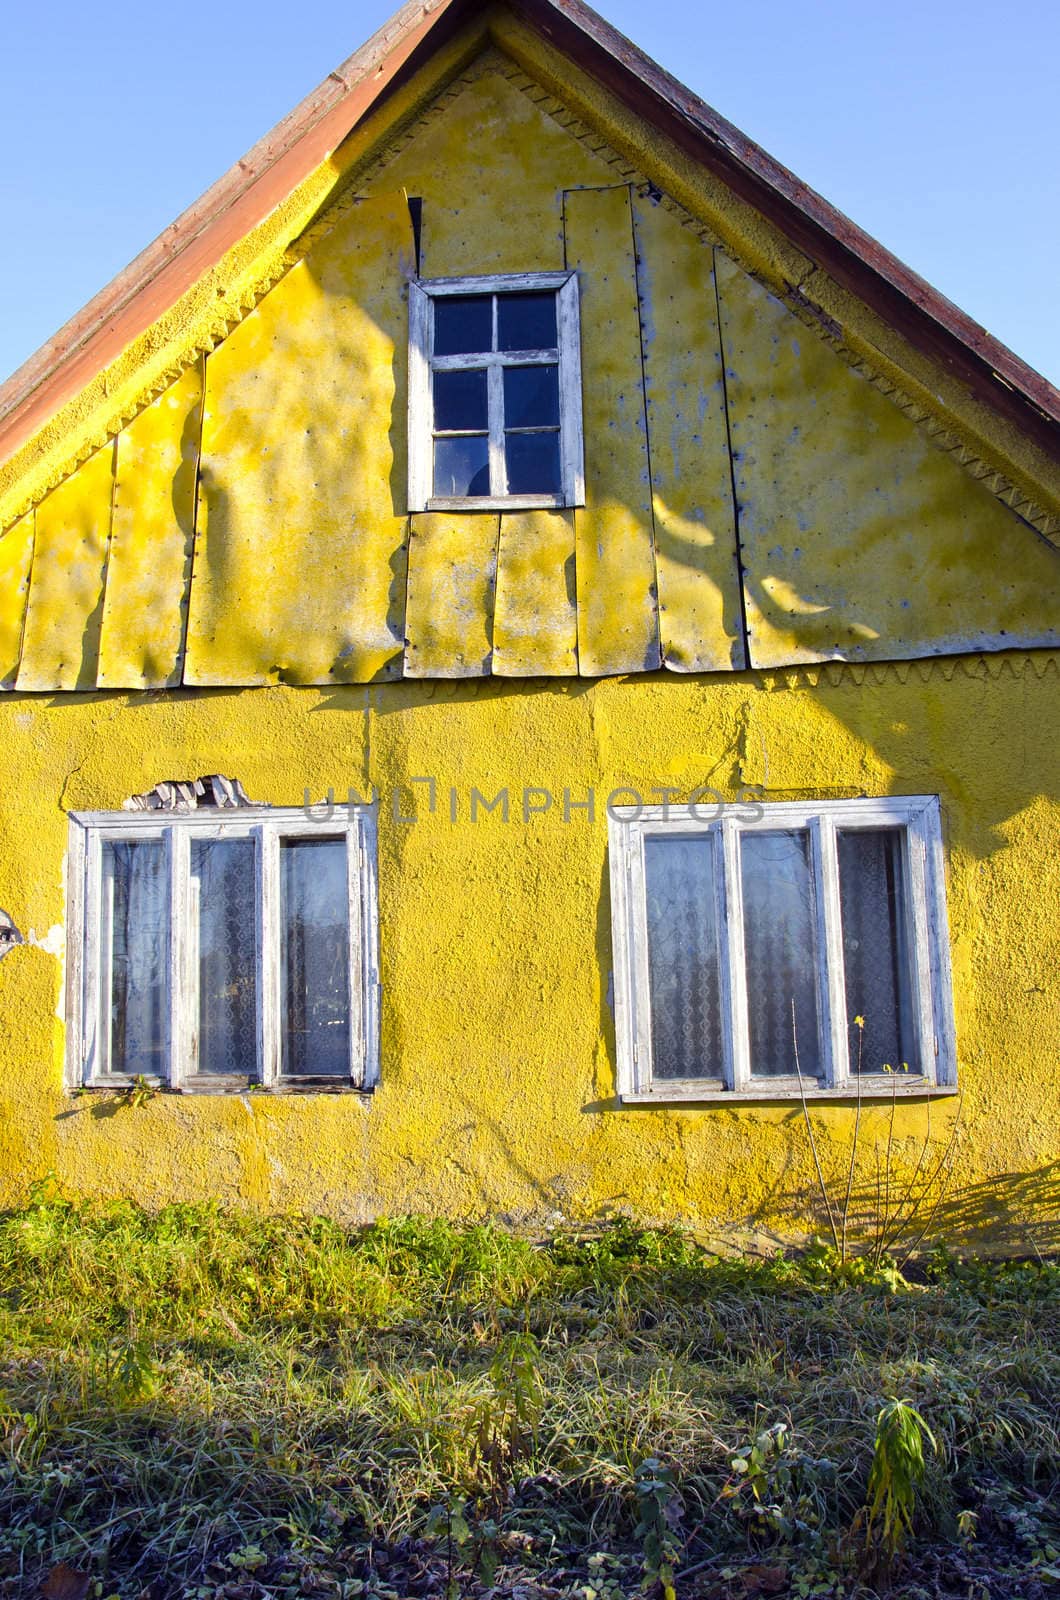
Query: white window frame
x,y
423,293
918,817
85,1036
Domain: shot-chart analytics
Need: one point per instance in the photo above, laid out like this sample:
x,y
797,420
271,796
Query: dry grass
x,y
202,1404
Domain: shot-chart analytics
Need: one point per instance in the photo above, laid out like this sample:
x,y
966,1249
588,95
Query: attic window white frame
x,y
423,363
916,817
86,1045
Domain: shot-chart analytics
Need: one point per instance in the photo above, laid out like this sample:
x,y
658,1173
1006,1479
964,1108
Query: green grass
x,y
199,1403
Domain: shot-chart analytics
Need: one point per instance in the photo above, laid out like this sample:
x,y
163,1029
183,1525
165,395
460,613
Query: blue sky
x,y
935,125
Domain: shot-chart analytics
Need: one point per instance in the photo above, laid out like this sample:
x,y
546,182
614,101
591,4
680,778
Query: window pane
x,y
533,463
462,466
136,923
526,322
683,959
316,957
875,950
463,324
460,400
531,397
780,948
225,943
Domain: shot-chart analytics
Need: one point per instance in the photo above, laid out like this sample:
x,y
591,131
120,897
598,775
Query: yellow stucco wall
x,y
498,1051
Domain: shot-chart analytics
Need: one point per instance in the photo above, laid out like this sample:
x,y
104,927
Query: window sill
x,y
232,1086
514,502
916,1089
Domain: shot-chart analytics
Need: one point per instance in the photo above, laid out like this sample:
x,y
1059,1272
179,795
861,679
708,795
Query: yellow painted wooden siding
x,y
862,540
618,623
535,626
16,553
452,580
300,552
60,648
861,537
149,564
691,476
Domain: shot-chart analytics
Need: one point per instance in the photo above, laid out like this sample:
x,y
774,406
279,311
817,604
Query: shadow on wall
x,y
1011,1213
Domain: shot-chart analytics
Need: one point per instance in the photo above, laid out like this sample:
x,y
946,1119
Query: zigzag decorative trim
x,y
848,675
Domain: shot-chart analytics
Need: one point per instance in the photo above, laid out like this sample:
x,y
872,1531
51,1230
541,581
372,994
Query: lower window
x,y
782,950
219,952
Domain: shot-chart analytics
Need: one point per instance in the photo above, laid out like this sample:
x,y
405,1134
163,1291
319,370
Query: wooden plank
x,y
145,606
299,571
16,553
618,625
452,577
61,645
695,532
862,540
535,630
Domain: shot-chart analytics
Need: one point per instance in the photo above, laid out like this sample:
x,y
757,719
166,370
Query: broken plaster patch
x,y
212,793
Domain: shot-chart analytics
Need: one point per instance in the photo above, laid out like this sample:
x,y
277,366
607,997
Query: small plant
x,y
660,1516
449,1521
505,1420
137,1094
897,1472
777,1487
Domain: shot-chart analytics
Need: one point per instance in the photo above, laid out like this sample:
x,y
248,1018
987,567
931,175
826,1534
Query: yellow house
x,y
530,663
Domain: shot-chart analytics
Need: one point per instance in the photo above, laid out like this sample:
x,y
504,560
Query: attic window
x,y
495,393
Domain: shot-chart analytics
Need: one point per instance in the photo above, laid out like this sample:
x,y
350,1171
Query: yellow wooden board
x,y
695,536
145,606
618,627
862,540
491,167
61,644
535,629
299,572
452,577
16,553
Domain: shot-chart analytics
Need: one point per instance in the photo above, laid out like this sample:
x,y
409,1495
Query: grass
x,y
205,1404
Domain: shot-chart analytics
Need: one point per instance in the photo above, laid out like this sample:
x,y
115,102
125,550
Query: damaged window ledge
x,y
230,1086
878,1090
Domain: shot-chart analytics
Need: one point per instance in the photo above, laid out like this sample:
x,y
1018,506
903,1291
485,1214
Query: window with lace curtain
x,y
220,951
780,950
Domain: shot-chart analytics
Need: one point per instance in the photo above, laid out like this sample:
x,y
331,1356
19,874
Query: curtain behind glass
x,y
225,939
875,947
314,899
780,945
136,941
683,968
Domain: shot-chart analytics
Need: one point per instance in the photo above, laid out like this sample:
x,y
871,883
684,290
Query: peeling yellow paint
x,y
695,540
497,1090
860,539
61,643
618,628
535,628
299,565
452,581
16,553
149,562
